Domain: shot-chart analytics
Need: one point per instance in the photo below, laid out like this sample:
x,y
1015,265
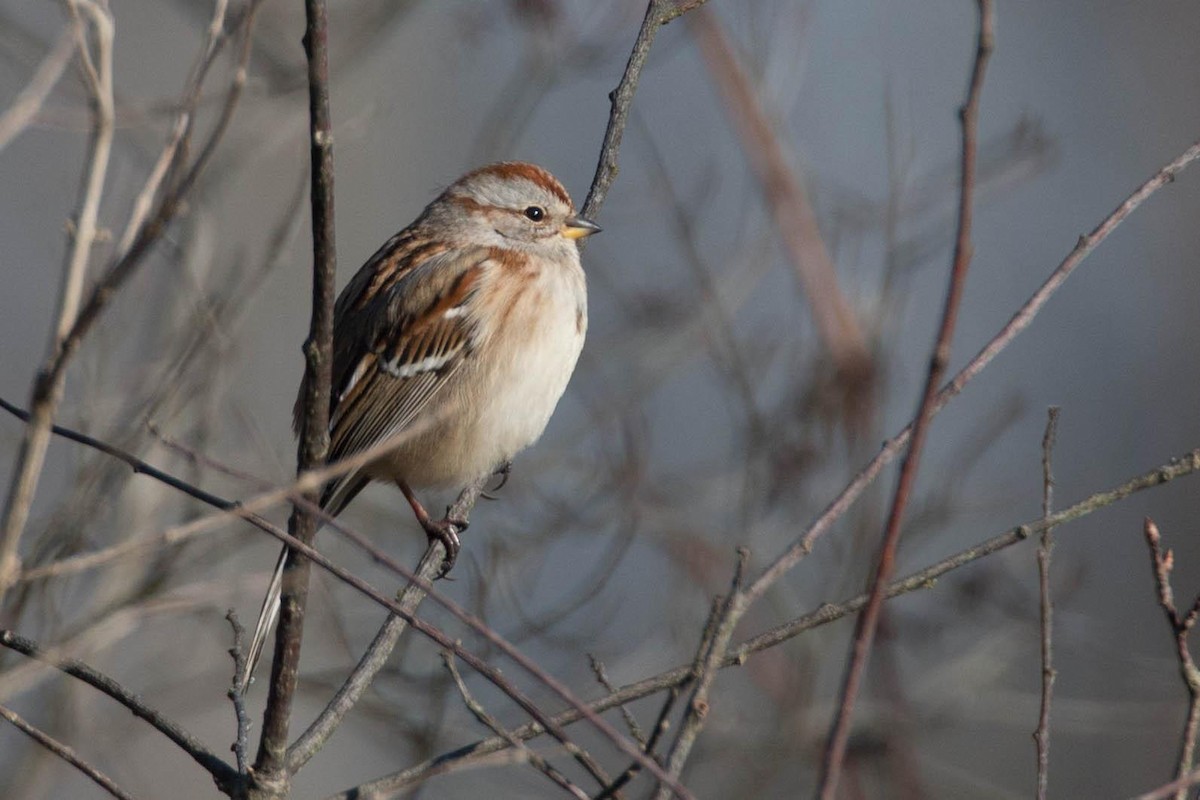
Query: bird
x,y
456,339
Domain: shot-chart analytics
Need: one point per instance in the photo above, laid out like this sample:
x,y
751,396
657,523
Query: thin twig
x,y
864,633
601,674
65,753
48,387
235,694
926,578
658,13
661,724
1181,626
222,772
708,660
270,768
476,708
1041,736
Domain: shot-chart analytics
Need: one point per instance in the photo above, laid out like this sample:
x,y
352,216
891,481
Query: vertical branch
x,y
1181,625
865,630
270,768
1042,735
713,646
48,386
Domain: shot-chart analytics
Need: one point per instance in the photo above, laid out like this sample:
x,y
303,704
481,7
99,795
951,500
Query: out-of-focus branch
x,y
25,107
1181,626
74,327
788,202
864,633
48,386
1041,736
270,773
926,578
222,772
65,753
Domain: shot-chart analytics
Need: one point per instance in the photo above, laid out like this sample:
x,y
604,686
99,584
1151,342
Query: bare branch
x,y
48,387
270,768
222,772
65,753
481,714
998,343
658,13
708,660
864,633
926,578
1181,625
1042,735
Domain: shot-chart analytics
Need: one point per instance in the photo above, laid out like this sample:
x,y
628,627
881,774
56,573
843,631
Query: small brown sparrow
x,y
464,329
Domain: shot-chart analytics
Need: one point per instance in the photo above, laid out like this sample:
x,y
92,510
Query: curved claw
x,y
446,531
504,470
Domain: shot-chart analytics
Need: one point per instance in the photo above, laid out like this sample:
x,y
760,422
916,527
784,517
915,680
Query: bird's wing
x,y
395,352
399,336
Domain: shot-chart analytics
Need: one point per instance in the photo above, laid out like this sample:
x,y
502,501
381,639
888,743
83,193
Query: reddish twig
x,y
865,630
1181,626
1041,736
788,202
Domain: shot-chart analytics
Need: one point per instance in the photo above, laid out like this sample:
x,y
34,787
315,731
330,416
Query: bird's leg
x,y
444,530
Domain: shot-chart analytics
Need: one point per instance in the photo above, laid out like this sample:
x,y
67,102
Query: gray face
x,y
510,205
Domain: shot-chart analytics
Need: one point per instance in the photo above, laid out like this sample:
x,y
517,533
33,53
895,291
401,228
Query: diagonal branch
x,y
222,772
65,753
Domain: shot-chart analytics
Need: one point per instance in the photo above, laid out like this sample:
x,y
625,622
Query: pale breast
x,y
501,401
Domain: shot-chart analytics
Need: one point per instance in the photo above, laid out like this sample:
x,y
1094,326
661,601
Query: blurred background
x,y
708,411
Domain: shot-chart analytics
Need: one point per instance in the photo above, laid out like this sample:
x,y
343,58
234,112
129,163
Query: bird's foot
x,y
446,530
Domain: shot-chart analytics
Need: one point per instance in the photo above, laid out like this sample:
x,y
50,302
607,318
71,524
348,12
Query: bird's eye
x,y
535,213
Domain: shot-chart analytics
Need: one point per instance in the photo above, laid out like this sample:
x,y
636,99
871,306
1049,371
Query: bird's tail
x,y
335,498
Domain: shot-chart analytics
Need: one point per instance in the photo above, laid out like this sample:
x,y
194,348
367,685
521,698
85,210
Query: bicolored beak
x,y
577,227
